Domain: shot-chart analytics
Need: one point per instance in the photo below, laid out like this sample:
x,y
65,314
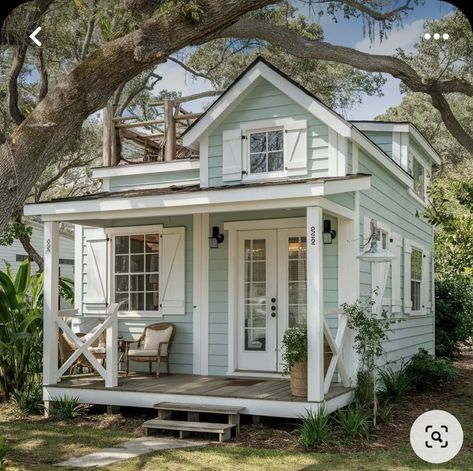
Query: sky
x,y
346,33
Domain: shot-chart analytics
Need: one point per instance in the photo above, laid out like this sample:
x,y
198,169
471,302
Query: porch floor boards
x,y
269,389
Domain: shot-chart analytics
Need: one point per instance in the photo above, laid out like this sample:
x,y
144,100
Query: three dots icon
x,y
436,36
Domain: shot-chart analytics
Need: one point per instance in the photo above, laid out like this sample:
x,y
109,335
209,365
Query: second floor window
x,y
416,279
266,152
418,173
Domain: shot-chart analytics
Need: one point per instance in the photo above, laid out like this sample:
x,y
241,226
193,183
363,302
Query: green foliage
x,y
427,372
14,231
354,421
315,429
294,347
67,407
29,399
364,388
20,327
453,315
385,412
3,454
393,384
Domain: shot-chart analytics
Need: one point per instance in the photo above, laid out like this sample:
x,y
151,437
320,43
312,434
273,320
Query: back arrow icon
x,y
33,36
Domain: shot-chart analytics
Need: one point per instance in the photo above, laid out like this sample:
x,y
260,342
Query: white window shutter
x,y
396,249
232,155
407,278
172,283
426,284
97,269
295,147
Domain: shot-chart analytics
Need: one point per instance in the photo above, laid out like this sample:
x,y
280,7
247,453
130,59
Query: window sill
x,y
417,198
417,313
140,315
264,177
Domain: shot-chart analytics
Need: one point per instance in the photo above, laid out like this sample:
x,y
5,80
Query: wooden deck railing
x,y
109,372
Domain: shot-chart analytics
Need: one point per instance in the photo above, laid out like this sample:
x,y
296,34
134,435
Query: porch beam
x,y
50,295
315,303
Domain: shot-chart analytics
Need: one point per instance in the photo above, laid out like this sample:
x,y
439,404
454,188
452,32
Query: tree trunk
x,y
90,85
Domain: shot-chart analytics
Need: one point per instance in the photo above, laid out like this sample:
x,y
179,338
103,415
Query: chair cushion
x,y
154,337
142,352
96,350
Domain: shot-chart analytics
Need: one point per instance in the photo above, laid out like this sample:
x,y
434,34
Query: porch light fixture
x,y
373,254
216,238
328,234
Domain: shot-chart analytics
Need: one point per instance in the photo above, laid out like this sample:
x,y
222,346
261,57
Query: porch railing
x,y
109,325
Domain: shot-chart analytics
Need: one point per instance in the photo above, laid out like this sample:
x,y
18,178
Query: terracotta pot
x,y
299,379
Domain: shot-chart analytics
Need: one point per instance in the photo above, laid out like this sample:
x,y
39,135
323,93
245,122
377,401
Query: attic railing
x,y
160,137
109,325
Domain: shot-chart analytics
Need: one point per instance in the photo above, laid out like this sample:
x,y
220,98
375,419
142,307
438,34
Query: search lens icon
x,y
436,437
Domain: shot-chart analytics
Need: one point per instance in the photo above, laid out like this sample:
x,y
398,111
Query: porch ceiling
x,y
97,208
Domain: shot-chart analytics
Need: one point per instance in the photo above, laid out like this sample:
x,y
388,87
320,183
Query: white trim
x,y
332,153
408,246
254,374
145,168
315,305
401,128
375,152
265,124
289,222
354,158
237,199
111,233
335,209
78,265
416,197
200,318
212,118
204,161
289,409
232,298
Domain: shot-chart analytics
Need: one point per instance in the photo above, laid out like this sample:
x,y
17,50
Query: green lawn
x,y
36,444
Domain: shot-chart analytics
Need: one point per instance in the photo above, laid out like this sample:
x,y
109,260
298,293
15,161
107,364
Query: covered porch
x,y
303,205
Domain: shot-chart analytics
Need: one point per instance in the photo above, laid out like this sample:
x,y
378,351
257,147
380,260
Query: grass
x,y
35,444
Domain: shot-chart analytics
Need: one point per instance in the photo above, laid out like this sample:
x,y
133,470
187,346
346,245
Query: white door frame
x,y
233,227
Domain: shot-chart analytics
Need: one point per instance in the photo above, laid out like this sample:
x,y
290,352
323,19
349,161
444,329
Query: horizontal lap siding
x,y
181,353
388,201
218,284
265,101
382,139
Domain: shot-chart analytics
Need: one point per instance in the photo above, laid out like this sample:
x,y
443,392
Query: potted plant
x,y
295,359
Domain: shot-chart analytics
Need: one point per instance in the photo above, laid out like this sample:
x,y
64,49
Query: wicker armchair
x,y
154,345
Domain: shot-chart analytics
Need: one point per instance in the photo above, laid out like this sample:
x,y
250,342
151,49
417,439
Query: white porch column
x,y
51,294
200,319
315,304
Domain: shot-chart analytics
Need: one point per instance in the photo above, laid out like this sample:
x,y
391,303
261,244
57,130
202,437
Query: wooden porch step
x,y
185,428
204,408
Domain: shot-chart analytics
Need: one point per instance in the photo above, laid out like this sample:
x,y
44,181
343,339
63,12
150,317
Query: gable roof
x,y
260,67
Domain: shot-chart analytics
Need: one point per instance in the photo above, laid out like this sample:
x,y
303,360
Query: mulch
x,y
284,436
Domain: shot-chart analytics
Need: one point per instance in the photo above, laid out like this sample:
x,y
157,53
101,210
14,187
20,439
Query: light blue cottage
x,y
296,191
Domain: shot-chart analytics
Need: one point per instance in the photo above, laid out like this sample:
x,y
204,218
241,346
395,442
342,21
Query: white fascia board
x,y
258,197
145,168
381,157
424,143
236,93
381,127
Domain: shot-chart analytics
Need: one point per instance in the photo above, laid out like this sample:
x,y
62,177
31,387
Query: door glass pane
x,y
255,295
121,244
297,284
137,244
137,264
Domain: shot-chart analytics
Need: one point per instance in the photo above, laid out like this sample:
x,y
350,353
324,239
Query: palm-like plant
x,y
21,315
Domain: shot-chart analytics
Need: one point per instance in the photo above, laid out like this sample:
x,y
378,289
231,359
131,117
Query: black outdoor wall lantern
x,y
216,238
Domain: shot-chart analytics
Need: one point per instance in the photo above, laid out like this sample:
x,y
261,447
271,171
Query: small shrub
x,y
67,408
354,421
384,412
427,372
29,400
3,454
453,315
315,429
364,389
393,384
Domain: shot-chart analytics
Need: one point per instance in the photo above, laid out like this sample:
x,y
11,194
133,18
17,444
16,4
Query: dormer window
x,y
418,174
266,151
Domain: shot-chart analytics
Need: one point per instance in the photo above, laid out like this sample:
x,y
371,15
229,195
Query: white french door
x,y
271,294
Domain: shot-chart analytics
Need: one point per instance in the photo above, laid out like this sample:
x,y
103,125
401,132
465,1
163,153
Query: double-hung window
x,y
137,271
265,152
416,279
